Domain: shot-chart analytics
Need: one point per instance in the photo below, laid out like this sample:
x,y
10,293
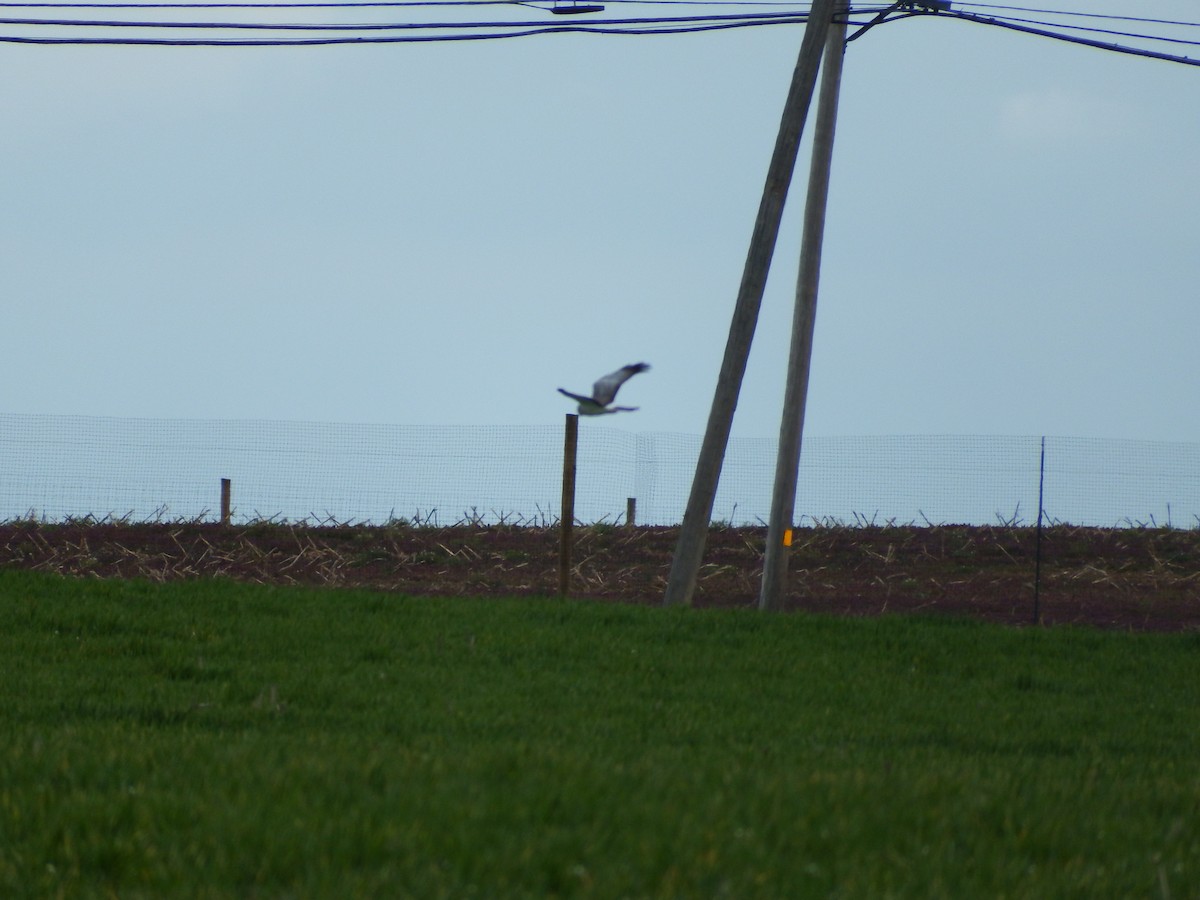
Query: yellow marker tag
x,y
787,538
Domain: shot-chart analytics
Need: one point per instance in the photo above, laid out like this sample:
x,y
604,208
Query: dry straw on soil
x,y
1135,578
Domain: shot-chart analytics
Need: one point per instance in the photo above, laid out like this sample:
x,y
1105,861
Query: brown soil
x,y
1139,579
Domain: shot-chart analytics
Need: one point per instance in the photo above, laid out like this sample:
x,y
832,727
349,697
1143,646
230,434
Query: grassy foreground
x,y
210,739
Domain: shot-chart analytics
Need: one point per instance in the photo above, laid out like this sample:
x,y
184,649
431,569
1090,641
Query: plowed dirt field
x,y
1140,579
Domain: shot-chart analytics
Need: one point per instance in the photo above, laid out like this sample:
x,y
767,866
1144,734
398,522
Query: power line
x,y
1054,30
1069,13
645,27
368,5
1095,30
51,30
48,31
383,4
387,26
1048,32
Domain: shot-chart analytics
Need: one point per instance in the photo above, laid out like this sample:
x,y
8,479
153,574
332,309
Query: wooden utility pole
x,y
791,426
567,521
689,551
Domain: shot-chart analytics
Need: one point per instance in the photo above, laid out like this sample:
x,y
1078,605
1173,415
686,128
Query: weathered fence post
x,y
630,512
567,522
226,492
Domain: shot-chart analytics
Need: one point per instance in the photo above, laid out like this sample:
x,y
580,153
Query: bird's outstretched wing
x,y
604,391
578,398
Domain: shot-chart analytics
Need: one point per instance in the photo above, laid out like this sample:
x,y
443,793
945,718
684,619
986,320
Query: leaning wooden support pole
x,y
791,425
567,523
693,532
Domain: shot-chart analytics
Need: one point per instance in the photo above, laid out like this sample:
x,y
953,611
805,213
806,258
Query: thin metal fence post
x,y
1037,564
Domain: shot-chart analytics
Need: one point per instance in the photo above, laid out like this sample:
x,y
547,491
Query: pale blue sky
x,y
445,233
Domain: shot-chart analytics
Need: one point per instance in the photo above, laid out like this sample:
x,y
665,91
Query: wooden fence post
x,y
567,522
630,512
226,491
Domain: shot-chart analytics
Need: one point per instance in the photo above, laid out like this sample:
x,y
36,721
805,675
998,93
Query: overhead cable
x,y
1048,32
65,30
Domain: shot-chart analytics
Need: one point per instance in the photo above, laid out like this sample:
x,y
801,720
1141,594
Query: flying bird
x,y
604,391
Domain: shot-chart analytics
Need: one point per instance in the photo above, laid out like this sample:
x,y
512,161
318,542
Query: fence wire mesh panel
x,y
1132,483
59,467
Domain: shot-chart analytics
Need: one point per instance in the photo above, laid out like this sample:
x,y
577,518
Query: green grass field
x,y
210,739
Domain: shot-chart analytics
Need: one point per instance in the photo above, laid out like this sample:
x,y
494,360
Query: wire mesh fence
x,y
61,467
